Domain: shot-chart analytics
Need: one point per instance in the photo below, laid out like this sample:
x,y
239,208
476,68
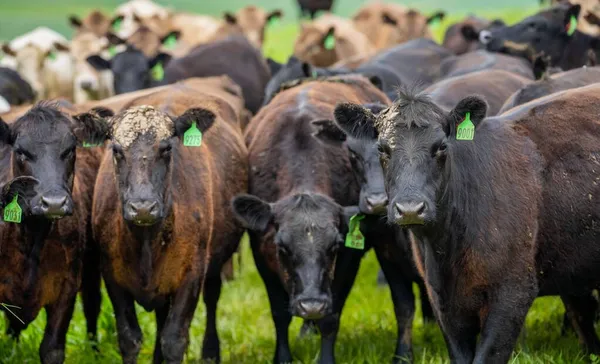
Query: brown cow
x,y
550,84
495,86
330,39
42,257
171,227
386,25
253,22
96,22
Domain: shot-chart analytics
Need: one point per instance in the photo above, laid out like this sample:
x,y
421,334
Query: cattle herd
x,y
140,151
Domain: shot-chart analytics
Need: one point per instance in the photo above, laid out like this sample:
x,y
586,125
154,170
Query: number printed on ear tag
x,y
466,129
193,136
12,211
355,239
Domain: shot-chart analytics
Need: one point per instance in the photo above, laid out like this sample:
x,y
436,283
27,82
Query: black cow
x,y
14,89
550,32
486,201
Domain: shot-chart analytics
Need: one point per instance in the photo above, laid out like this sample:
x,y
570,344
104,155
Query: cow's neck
x,y
34,232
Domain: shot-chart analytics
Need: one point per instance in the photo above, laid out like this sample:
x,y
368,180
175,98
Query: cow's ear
x,y
6,136
356,121
274,66
469,33
327,132
174,35
439,16
328,40
230,18
99,63
275,14
203,119
75,22
93,127
6,49
252,212
24,186
571,19
162,58
472,108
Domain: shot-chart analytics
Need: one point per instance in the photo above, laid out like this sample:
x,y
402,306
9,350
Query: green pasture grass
x,y
368,327
367,334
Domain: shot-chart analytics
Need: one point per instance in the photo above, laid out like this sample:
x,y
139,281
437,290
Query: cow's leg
x,y
404,304
52,349
460,331
278,300
212,291
128,328
346,268
90,290
161,316
175,335
582,313
426,310
503,323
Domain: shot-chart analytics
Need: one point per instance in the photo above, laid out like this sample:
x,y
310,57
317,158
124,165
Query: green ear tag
x,y
435,23
90,145
158,72
329,42
355,239
273,22
117,24
112,50
171,41
466,129
314,74
12,211
572,26
52,56
192,137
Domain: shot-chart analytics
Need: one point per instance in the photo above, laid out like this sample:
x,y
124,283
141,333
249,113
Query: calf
x,y
171,227
578,77
486,249
127,15
310,8
330,39
296,221
253,21
42,257
387,25
95,22
495,86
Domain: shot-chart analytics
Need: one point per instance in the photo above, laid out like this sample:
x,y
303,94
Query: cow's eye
x,y
165,150
117,152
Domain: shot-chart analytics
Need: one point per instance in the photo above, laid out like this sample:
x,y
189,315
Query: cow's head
x,y
253,21
144,143
43,143
416,141
308,230
132,70
364,156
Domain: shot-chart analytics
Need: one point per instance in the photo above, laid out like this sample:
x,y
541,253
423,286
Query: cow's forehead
x,y
141,121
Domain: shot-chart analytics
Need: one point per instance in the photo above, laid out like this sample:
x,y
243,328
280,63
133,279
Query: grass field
x,y
247,334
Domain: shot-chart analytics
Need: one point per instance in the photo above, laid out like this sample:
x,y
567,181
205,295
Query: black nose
x,y
55,206
410,213
311,309
376,201
143,212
